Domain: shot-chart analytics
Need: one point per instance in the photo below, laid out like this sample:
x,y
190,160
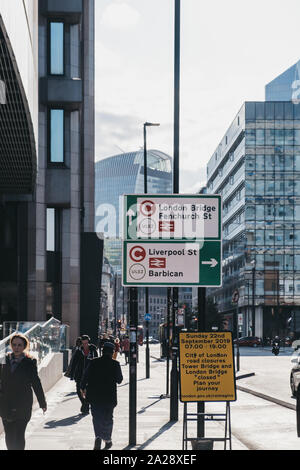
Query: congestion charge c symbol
x,y
137,253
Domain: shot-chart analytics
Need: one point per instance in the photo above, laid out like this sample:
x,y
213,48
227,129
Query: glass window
x,y
50,241
260,162
57,135
56,48
288,136
250,137
260,187
270,136
297,136
288,211
297,162
249,187
279,162
279,187
297,187
250,212
297,237
297,213
260,137
279,237
260,209
269,211
289,162
297,263
269,237
270,162
269,188
289,187
260,237
288,237
279,137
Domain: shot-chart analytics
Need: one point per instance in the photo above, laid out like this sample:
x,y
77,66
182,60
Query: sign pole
x,y
169,304
201,328
174,372
133,311
147,335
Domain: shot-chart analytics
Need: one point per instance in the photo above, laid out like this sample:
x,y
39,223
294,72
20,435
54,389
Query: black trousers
x,y
15,434
84,403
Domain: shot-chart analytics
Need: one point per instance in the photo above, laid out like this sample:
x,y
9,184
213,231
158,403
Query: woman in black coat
x,y
19,376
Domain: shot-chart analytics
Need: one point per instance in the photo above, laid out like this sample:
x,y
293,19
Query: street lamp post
x,y
147,124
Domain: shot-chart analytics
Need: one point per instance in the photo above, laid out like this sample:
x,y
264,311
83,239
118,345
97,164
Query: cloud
x,y
120,16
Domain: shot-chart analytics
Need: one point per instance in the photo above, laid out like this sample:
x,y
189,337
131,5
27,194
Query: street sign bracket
x,y
207,417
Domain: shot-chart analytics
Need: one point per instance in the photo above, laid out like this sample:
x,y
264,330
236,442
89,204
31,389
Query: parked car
x,y
253,341
295,372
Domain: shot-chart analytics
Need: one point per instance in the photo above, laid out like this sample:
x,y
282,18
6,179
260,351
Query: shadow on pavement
x,y
163,429
64,422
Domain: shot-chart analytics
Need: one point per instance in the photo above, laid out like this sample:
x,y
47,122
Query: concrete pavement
x,y
63,427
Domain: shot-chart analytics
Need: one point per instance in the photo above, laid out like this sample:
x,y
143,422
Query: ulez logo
x,y
2,92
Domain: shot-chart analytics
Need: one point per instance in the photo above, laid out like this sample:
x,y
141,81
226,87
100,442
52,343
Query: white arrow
x,y
130,214
213,262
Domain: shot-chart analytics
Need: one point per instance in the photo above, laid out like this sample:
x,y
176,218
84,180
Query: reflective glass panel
x,y
260,162
57,135
57,48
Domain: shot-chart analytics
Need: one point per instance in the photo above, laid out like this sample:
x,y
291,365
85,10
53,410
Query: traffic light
x,y
119,324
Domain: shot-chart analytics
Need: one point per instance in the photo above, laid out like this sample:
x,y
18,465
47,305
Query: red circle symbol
x,y
147,208
137,253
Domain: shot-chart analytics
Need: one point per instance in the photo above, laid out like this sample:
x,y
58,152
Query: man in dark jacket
x,y
99,386
80,361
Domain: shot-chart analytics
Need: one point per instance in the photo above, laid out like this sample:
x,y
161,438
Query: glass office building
x,y
124,174
285,87
256,169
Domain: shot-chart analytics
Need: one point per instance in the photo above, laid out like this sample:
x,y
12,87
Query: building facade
x,y
256,169
18,149
54,251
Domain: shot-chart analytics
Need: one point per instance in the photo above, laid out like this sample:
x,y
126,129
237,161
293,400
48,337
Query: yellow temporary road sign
x,y
206,367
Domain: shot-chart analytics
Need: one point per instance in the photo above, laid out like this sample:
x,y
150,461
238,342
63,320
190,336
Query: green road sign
x,y
172,217
171,263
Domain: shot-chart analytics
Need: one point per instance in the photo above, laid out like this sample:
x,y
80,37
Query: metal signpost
x,y
207,374
172,240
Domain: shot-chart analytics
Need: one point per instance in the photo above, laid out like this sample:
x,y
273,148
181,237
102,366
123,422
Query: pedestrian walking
x,y
117,348
82,357
125,348
99,387
18,376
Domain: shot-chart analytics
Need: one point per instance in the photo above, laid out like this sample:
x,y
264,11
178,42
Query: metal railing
x,y
44,338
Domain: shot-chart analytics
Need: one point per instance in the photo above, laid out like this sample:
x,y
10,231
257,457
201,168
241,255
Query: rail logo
x,y
137,253
147,208
168,226
157,262
137,271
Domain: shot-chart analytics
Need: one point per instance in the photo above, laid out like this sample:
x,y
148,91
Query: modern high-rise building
x,y
47,153
116,176
124,174
285,87
256,169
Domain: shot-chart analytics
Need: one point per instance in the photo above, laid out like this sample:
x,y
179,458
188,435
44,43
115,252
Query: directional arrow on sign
x,y
130,214
213,262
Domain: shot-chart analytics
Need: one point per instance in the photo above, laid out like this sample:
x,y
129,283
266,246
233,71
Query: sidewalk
x,y
63,427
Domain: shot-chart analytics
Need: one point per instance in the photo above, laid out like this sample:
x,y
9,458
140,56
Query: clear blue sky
x,y
229,51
